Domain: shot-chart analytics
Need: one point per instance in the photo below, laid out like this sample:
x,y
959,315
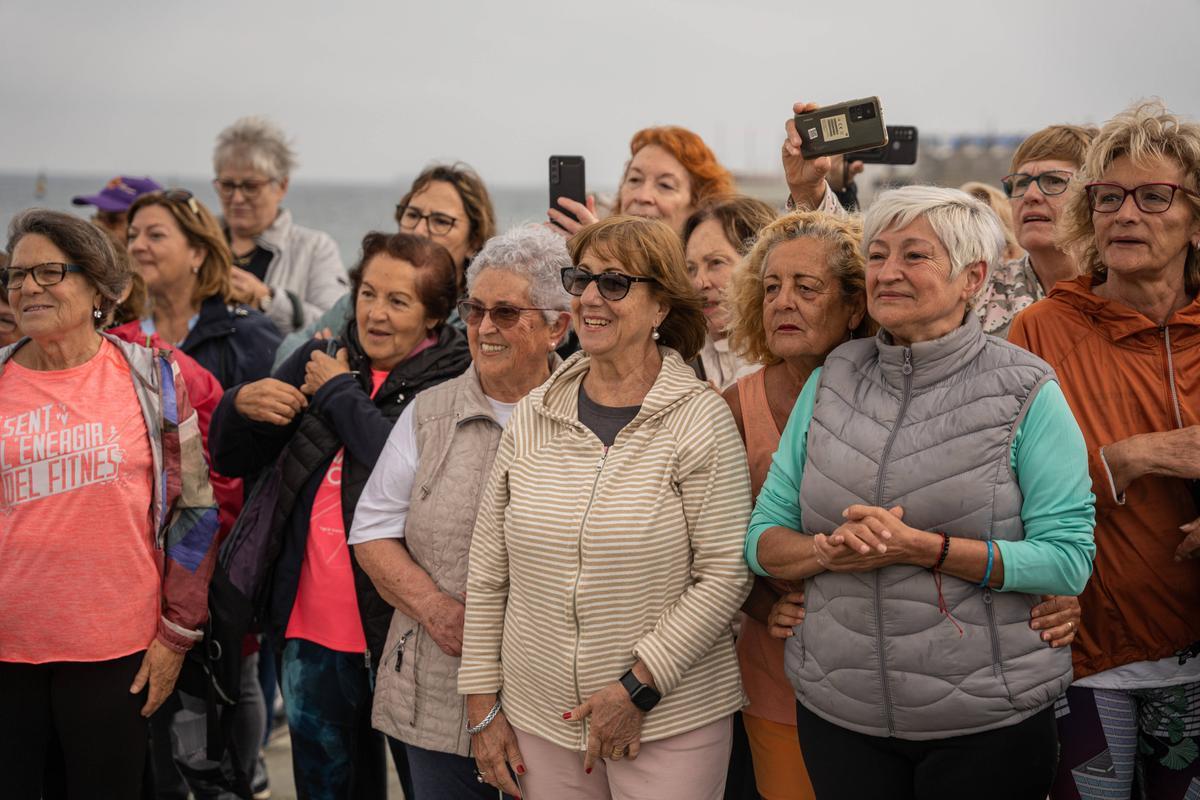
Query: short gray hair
x,y
258,143
534,252
968,229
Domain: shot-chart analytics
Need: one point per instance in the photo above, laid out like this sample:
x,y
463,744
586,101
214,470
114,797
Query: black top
x,y
604,421
255,262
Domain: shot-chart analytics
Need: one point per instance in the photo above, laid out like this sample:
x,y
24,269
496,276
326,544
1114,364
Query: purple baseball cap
x,y
118,194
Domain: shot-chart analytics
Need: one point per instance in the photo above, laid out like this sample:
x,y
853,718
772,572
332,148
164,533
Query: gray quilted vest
x,y
929,428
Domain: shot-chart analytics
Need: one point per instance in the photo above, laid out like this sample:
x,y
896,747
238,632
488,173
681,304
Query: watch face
x,y
645,698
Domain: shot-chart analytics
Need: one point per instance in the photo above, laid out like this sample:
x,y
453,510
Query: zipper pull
x,y
907,368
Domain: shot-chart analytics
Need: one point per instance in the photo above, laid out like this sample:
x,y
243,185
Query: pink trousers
x,y
689,766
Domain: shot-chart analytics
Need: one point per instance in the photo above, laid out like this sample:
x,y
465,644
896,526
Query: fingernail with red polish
x,y
588,771
567,715
520,769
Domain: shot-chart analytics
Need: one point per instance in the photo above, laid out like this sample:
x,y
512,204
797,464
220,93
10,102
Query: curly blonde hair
x,y
1144,132
744,299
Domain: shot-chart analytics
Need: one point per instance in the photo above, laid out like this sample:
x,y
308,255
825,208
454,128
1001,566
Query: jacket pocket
x,y
994,636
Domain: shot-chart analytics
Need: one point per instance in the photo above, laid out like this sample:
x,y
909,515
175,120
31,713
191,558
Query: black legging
x,y
1012,763
88,707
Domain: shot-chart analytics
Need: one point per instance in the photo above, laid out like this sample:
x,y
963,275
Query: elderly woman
x,y
670,173
930,483
1132,326
598,621
447,203
177,246
1042,168
798,295
108,536
715,239
290,273
323,421
416,552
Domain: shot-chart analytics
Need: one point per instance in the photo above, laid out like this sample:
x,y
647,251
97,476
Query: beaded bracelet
x,y
945,552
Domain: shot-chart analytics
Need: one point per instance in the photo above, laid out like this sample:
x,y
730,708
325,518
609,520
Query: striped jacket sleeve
x,y
189,516
487,579
714,482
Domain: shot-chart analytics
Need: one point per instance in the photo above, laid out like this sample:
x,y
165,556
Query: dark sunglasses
x,y
612,285
503,315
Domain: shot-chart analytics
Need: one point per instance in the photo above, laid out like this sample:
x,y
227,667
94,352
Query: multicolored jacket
x,y
183,511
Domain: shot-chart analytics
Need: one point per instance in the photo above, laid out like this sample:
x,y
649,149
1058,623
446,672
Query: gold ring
x,y
618,752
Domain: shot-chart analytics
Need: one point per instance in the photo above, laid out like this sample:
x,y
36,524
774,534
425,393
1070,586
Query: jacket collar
x,y
558,398
933,361
274,237
1118,322
475,402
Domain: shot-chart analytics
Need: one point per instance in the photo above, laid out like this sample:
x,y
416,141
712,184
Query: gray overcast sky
x,y
375,90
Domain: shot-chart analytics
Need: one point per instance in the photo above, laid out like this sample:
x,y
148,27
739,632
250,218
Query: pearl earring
x,y
654,334
97,313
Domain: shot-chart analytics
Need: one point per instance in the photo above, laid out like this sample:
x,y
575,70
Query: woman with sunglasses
x,y
290,273
108,531
324,419
1124,340
1042,169
177,246
597,627
412,528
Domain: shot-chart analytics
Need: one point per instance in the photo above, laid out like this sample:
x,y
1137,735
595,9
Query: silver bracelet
x,y
483,723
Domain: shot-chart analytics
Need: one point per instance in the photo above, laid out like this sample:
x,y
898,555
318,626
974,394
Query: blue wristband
x,y
987,576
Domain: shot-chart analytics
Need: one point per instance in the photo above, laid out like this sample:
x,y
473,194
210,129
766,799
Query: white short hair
x,y
968,229
534,252
258,143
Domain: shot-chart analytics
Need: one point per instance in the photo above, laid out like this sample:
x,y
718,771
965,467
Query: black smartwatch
x,y
643,696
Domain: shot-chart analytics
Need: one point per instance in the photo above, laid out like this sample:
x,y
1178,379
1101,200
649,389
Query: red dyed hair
x,y
709,178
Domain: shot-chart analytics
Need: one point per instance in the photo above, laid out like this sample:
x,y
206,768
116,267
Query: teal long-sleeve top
x,y
1049,458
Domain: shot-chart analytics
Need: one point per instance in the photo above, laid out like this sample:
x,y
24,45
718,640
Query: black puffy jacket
x,y
342,413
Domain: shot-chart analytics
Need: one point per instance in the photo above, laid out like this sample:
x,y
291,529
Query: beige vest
x,y
416,690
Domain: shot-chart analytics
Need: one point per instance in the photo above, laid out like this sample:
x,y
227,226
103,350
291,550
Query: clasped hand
x,y
870,538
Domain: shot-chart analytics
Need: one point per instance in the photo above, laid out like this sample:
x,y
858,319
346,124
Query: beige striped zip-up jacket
x,y
583,561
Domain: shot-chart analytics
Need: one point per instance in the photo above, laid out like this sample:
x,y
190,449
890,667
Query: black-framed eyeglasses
x,y
183,197
438,223
48,274
1151,198
1049,183
612,285
250,189
503,315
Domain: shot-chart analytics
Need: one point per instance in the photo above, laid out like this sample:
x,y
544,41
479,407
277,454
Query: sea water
x,y
346,211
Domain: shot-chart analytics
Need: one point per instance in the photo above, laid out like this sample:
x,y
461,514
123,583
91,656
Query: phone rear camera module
x,y
862,112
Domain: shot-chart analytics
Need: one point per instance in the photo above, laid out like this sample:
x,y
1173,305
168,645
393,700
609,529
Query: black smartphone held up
x,y
900,149
567,180
842,128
